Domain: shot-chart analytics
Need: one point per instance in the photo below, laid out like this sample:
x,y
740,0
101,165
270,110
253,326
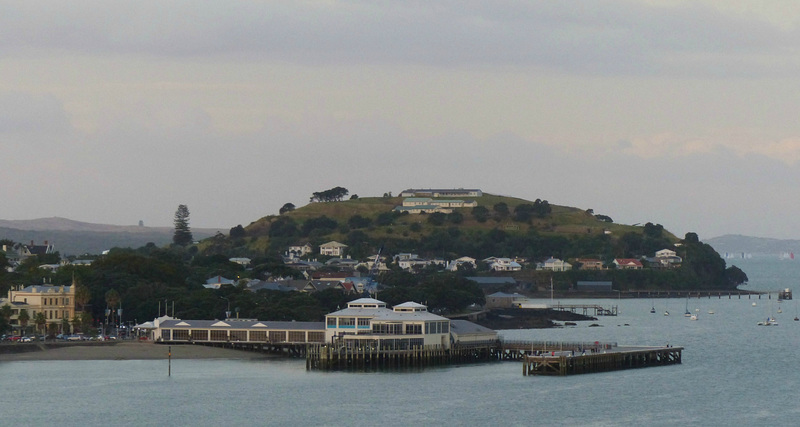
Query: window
x,y
180,335
258,335
297,336
200,334
66,301
363,323
219,335
331,322
412,329
238,335
316,337
277,336
347,322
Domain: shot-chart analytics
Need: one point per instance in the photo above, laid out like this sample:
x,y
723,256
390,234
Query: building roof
x,y
44,289
493,280
464,327
241,324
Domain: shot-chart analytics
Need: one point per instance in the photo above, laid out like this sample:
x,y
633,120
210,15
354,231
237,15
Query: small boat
x,y
666,313
754,304
653,310
769,322
779,310
710,311
687,313
693,317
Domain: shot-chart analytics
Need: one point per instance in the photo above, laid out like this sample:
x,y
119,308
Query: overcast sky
x,y
683,113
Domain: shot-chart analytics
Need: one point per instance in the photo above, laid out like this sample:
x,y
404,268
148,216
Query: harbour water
x,y
733,373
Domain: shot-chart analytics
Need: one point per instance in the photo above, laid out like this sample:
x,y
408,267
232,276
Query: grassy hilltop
x,y
371,220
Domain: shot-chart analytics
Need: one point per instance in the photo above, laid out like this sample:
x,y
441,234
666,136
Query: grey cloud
x,y
24,113
581,37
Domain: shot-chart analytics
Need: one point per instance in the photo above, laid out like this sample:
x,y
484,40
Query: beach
x,y
122,350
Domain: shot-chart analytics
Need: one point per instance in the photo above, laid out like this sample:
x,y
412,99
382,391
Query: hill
x,y
76,238
498,226
736,244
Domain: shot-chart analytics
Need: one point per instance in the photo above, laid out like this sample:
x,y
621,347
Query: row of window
x,y
442,327
239,335
54,301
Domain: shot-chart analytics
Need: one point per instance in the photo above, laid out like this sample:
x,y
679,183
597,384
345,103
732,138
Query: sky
x,y
681,113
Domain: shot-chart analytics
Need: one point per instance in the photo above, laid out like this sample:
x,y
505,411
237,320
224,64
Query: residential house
x,y
628,264
464,260
502,264
665,258
590,263
217,282
300,249
555,264
332,248
244,262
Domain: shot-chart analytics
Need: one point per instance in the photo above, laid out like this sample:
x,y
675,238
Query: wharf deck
x,y
569,363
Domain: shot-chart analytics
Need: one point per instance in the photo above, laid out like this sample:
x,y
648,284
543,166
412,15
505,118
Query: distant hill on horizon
x,y
737,243
72,237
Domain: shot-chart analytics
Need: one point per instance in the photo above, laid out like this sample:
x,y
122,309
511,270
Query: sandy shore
x,y
128,350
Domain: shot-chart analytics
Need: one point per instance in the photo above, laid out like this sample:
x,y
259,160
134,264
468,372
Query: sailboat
x,y
653,308
795,312
687,313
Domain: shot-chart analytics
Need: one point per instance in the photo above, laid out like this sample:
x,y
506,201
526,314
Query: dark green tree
x,y
287,207
183,234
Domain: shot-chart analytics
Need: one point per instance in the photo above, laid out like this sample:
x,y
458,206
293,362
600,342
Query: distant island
x,y
735,244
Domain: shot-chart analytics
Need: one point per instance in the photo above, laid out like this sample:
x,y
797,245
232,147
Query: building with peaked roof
x,y
234,330
555,264
332,248
441,192
217,282
57,303
369,321
628,264
503,299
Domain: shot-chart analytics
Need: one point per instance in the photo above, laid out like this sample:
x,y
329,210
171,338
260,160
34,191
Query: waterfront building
x,y
57,303
369,321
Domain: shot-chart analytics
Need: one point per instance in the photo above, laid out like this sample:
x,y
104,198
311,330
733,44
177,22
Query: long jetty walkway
x,y
538,357
569,362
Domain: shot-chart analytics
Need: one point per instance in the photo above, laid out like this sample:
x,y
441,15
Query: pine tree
x,y
183,234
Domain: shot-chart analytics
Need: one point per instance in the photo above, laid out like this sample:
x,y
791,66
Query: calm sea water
x,y
733,373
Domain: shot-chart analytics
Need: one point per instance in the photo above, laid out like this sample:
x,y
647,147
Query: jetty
x,y
570,363
368,336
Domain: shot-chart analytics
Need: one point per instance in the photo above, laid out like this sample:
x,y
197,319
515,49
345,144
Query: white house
x,y
299,249
502,264
217,282
454,264
332,248
407,325
555,264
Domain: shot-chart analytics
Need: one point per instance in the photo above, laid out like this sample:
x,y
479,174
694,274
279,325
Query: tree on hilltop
x,y
183,234
335,194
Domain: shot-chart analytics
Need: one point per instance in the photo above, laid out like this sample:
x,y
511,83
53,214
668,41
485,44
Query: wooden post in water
x,y
169,364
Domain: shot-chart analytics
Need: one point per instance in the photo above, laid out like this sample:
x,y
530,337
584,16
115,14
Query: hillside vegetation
x,y
366,224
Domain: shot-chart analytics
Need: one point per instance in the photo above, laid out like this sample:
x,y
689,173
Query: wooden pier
x,y
586,309
570,362
538,357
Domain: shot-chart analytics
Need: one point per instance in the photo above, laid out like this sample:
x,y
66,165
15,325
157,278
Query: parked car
x,y
76,337
26,339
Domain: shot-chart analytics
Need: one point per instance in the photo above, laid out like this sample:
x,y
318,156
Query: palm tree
x,y
40,321
112,299
23,318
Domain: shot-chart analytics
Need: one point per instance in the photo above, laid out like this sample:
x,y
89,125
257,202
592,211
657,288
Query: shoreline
x,y
122,350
